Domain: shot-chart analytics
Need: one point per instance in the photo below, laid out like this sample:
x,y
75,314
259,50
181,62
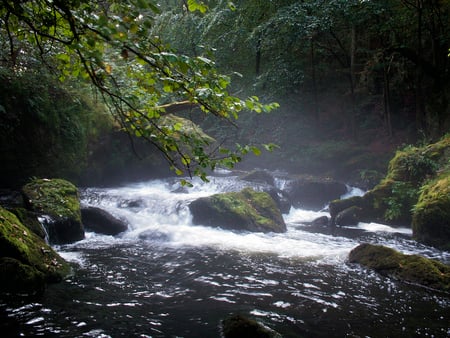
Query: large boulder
x,y
314,193
58,201
26,261
407,268
431,216
101,221
246,210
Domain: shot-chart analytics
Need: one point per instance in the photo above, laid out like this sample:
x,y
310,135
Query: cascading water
x,y
165,277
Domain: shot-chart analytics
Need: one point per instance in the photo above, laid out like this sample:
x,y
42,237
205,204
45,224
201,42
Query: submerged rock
x,y
26,261
246,210
101,221
407,268
321,221
238,326
59,200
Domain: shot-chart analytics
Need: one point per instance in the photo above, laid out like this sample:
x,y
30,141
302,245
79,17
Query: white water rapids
x,y
158,211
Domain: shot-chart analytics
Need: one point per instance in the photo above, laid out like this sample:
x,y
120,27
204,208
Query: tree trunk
x,y
314,82
352,83
420,107
387,99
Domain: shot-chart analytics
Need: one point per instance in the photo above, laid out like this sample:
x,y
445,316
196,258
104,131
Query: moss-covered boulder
x,y
408,268
26,261
246,210
314,193
431,216
58,200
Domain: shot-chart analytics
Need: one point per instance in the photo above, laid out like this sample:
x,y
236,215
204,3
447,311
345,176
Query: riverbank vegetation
x,y
354,80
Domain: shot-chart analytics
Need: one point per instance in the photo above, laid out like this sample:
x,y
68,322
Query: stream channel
x,y
165,277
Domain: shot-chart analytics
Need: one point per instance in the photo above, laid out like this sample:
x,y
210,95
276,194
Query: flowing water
x,y
168,278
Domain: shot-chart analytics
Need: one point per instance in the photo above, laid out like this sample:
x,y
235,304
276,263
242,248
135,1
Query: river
x,y
165,277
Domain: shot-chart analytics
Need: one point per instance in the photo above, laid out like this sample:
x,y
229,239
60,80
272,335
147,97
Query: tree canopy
x,y
141,79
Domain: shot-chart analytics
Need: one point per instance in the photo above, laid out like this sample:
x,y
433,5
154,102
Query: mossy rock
x,y
59,200
431,217
30,220
17,278
238,326
407,268
23,251
246,210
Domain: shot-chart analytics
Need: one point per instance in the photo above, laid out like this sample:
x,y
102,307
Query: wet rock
x,y
101,221
238,326
281,198
349,216
314,193
259,176
155,236
246,210
59,200
30,219
321,221
26,261
407,268
131,204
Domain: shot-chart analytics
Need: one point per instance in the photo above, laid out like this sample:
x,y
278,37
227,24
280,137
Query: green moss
x,y
18,242
29,219
240,326
17,278
244,210
415,181
409,268
55,197
247,204
431,217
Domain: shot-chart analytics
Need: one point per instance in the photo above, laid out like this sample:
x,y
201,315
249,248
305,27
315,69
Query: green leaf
x,y
194,5
256,151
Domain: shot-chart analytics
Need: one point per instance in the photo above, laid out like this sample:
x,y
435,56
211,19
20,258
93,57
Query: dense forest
x,y
354,81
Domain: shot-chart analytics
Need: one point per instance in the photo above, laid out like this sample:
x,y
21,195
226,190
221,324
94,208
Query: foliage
x,y
110,44
403,196
44,127
365,53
